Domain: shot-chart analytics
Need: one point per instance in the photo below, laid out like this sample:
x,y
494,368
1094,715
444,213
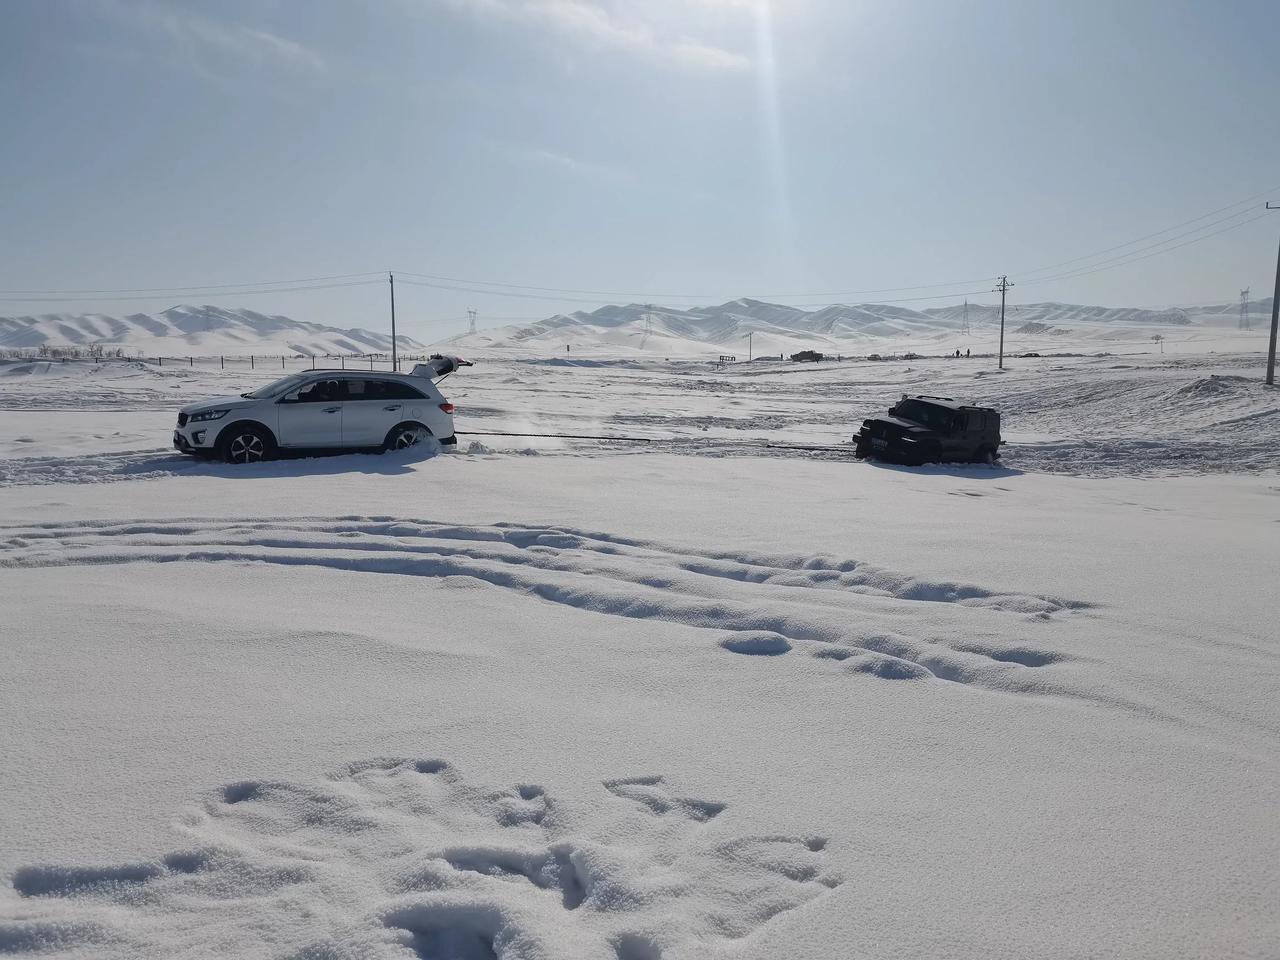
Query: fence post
x,y
159,361
282,361
191,361
222,363
343,359
313,361
251,361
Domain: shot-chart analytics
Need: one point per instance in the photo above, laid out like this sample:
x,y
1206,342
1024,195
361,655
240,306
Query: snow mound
x,y
758,643
834,609
1214,385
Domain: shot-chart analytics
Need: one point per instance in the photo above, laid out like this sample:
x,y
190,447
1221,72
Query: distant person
x,y
966,351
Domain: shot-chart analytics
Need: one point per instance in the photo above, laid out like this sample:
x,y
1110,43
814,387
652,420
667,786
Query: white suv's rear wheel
x,y
405,435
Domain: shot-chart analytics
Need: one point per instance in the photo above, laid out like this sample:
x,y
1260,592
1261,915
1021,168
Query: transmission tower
x,y
471,318
648,323
1244,309
964,326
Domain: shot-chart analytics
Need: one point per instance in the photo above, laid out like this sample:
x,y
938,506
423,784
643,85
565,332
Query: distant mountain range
x,y
188,329
637,328
619,329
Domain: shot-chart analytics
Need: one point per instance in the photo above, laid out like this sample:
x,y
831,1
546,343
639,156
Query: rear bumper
x,y
449,441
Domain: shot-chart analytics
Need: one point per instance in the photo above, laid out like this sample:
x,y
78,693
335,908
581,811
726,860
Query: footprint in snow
x,y
390,855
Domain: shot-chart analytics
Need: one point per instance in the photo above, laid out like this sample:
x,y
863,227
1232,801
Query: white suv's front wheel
x,y
246,444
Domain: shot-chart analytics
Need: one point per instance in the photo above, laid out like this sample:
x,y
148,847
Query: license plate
x,y
879,443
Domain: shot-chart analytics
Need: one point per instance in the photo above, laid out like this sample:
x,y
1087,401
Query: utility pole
x,y
1244,309
1003,289
395,356
1275,315
749,336
471,316
964,327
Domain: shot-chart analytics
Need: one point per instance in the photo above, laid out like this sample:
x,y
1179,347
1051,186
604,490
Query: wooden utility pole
x,y
1003,289
1275,316
395,357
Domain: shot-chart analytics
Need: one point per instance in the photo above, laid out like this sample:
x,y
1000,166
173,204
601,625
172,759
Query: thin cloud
x,y
214,49
596,25
578,167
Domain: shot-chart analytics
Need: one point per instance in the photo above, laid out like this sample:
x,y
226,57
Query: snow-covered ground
x,y
698,697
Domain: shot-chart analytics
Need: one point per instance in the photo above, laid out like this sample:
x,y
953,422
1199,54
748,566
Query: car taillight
x,y
447,407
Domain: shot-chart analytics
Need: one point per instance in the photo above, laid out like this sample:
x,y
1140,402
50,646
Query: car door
x,y
974,427
312,415
956,436
369,411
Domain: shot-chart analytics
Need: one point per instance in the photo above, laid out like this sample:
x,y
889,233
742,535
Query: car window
x,y
977,421
396,390
365,390
322,391
933,417
276,387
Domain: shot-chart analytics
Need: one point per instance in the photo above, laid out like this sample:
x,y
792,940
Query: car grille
x,y
182,419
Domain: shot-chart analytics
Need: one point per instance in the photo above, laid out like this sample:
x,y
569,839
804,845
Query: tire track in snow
x,y
396,857
856,617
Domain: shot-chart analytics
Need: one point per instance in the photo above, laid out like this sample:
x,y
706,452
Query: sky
x,y
678,152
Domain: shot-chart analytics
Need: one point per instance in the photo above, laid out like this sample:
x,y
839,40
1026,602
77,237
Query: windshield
x,y
276,387
935,418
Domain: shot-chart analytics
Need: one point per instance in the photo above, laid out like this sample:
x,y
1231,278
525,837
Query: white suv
x,y
322,409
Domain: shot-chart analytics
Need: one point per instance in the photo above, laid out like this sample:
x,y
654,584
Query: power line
x,y
203,286
531,292
1176,226
172,296
674,296
1125,262
535,296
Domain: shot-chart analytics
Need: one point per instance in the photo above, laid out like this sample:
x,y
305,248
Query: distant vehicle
x,y
322,409
925,429
912,356
875,356
1031,354
807,355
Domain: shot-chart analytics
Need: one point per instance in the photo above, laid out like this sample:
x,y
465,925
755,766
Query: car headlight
x,y
207,415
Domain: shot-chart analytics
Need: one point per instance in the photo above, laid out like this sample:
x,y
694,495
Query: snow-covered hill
x,y
773,328
206,329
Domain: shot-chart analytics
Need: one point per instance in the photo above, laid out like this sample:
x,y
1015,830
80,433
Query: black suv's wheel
x,y
246,443
405,435
985,455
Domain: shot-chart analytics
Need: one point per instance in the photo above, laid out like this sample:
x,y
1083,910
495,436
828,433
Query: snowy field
x,y
699,697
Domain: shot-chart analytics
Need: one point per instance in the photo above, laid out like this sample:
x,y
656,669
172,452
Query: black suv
x,y
927,429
